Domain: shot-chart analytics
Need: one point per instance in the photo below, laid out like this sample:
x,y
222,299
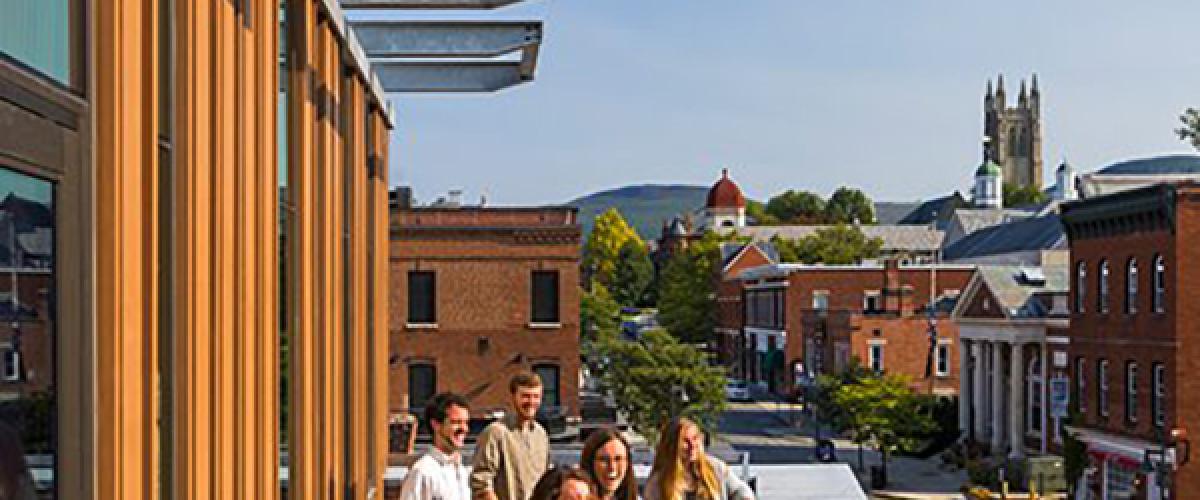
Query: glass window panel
x,y
37,33
545,297
27,327
421,297
549,376
422,383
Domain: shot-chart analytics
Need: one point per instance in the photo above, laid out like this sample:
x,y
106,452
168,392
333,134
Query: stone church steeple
x,y
1014,133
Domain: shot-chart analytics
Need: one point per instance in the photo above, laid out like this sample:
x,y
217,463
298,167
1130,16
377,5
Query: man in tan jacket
x,y
512,454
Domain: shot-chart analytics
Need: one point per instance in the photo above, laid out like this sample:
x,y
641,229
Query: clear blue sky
x,y
885,95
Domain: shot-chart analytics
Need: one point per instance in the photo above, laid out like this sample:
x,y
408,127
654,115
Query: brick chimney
x,y
897,296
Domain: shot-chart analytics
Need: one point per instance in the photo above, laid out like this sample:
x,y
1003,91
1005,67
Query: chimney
x,y
907,307
891,285
454,198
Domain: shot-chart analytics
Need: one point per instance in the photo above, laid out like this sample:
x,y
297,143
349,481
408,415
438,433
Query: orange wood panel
x,y
266,17
380,271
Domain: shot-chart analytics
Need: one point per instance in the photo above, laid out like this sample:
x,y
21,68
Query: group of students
x,y
512,459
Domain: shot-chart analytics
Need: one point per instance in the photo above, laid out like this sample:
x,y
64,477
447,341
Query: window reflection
x,y
27,324
36,33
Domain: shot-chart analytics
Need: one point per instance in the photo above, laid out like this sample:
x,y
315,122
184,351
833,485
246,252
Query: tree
x,y
840,244
757,213
885,412
609,233
658,378
796,207
1190,131
687,290
848,206
599,314
1016,196
632,275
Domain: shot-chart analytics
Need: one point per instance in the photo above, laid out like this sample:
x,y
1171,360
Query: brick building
x,y
479,294
812,319
1134,312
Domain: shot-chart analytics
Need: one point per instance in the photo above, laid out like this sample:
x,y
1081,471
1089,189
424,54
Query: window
x,y
871,301
1158,405
943,359
1131,286
545,297
1131,392
1034,395
550,393
1080,286
1081,383
820,300
37,33
1102,288
1160,284
876,355
1102,387
422,384
422,297
10,371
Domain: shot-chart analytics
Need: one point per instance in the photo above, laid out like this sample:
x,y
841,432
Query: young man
x,y
440,474
513,453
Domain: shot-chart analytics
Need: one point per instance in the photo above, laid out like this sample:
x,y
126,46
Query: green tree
x,y
599,314
657,378
840,244
632,275
796,207
757,213
848,205
1190,131
885,412
687,290
1016,196
600,253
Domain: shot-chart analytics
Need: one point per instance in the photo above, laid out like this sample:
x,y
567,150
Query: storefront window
x,y
27,326
37,33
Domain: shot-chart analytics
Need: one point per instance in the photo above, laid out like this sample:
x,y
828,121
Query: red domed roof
x,y
725,194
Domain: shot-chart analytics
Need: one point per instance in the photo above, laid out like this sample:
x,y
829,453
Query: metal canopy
x,y
461,76
426,4
445,38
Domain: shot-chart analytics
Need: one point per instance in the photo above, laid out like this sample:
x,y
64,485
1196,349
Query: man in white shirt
x,y
440,474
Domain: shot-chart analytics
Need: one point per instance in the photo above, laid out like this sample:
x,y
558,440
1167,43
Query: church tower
x,y
1015,133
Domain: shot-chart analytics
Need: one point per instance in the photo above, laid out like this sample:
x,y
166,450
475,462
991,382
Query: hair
x,y
549,486
438,405
669,466
524,379
600,437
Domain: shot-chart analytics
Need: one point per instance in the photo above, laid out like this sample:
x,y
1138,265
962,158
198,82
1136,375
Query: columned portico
x,y
977,391
1016,400
964,382
997,397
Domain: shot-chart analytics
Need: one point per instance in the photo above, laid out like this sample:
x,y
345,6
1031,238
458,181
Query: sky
x,y
883,95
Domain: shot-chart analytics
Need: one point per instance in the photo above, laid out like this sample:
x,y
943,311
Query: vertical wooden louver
x,y
224,294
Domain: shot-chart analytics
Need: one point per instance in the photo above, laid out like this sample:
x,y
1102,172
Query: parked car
x,y
737,390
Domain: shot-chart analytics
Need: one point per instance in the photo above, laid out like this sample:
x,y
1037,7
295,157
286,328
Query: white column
x,y
964,391
998,384
1046,368
977,393
1016,403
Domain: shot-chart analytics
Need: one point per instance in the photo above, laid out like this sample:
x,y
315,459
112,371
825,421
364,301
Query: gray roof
x,y
974,219
939,209
730,249
891,212
1016,293
895,237
1157,165
1034,233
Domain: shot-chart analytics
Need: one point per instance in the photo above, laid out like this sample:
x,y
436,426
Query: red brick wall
x,y
483,296
37,335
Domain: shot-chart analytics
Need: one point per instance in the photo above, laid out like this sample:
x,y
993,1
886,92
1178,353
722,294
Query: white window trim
x,y
12,365
1102,386
871,345
878,295
1131,393
820,293
1160,285
1159,374
938,358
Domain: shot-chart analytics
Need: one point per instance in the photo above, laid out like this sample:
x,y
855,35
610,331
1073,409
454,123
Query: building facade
x,y
151,287
1133,313
479,294
804,320
1011,323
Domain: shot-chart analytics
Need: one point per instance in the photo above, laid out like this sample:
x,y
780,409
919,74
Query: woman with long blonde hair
x,y
683,471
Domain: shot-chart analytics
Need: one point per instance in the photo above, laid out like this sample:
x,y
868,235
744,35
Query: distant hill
x,y
644,207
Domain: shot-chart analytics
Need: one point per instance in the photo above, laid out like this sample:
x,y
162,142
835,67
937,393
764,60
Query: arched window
x,y
1160,284
1131,286
1102,288
1080,285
